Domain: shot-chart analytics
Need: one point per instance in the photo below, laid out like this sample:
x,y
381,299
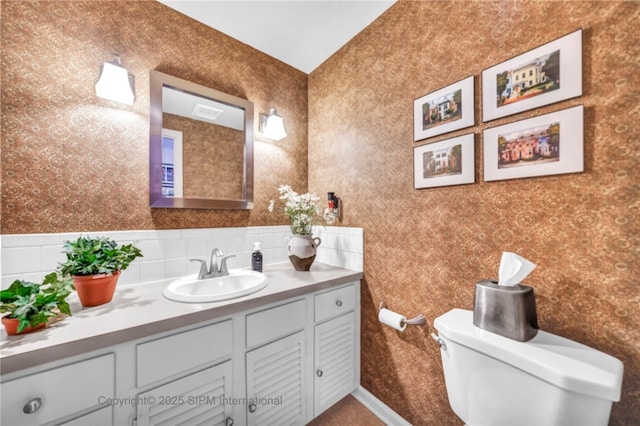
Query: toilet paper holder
x,y
418,320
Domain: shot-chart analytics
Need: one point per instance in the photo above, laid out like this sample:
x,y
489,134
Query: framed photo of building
x,y
548,144
444,163
542,76
445,110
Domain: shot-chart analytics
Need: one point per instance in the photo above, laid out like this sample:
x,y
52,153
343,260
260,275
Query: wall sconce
x,y
272,125
115,83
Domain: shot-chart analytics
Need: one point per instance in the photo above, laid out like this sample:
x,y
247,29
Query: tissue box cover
x,y
506,310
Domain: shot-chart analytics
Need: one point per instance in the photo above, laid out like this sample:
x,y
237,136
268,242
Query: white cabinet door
x,y
335,363
200,398
276,383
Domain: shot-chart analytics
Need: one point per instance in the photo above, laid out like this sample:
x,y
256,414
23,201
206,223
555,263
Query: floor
x,y
347,412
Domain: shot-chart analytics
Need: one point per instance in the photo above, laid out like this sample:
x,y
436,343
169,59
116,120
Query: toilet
x,y
546,381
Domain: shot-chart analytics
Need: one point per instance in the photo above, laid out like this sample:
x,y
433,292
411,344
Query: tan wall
x,y
212,158
74,162
424,249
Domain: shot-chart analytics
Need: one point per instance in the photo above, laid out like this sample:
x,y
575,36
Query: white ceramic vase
x,y
302,251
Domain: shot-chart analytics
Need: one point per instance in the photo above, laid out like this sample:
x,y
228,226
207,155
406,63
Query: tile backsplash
x,y
167,252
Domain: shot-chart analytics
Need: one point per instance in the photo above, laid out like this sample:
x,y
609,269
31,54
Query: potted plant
x,y
31,305
95,265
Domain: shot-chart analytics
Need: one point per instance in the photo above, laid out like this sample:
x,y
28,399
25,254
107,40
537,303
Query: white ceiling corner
x,y
301,33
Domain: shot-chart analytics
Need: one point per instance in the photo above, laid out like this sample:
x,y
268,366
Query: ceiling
x,y
185,104
301,33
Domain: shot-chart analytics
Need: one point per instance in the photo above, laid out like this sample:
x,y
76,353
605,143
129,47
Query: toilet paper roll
x,y
392,319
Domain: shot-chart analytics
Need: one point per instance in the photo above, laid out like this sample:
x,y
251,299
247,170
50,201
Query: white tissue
x,y
513,269
392,319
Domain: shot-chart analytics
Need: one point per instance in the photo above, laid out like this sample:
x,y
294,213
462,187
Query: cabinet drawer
x,y
273,323
334,302
166,356
102,417
61,391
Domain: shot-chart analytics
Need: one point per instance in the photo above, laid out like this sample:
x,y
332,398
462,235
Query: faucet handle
x,y
223,264
203,268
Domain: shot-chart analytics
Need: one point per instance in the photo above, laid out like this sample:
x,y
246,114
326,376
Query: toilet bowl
x,y
546,381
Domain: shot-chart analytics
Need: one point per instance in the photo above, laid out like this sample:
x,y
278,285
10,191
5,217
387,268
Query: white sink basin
x,y
239,282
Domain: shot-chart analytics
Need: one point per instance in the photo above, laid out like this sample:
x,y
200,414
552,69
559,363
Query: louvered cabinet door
x,y
334,358
275,383
198,399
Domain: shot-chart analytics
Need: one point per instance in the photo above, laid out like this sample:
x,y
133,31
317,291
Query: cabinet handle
x,y
339,303
252,408
228,421
32,406
319,373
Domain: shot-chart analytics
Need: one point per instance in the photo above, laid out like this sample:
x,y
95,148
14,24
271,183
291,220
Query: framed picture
x,y
542,76
444,163
445,110
549,144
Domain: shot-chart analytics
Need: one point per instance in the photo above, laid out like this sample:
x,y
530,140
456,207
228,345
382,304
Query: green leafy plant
x,y
100,255
34,303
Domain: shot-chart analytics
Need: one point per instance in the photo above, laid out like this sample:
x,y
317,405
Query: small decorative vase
x,y
95,290
302,251
11,325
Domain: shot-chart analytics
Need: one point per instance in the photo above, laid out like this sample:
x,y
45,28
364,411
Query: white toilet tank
x,y
546,381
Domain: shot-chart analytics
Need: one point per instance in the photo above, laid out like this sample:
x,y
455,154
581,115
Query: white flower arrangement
x,y
302,209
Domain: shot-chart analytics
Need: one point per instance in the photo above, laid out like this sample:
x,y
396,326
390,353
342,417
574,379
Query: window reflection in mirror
x,y
172,163
201,153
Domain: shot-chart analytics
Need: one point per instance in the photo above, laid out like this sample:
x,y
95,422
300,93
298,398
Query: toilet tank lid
x,y
562,362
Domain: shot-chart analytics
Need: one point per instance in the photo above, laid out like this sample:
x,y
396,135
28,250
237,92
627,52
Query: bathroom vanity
x,y
281,355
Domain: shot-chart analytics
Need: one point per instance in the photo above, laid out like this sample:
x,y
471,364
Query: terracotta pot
x,y
11,325
95,290
302,251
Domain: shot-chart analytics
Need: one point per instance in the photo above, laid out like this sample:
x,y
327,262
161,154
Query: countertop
x,y
141,310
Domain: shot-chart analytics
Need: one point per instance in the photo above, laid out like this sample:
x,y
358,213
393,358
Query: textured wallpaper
x,y
72,162
425,249
213,158
75,162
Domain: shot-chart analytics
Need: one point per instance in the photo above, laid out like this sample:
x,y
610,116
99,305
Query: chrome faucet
x,y
217,265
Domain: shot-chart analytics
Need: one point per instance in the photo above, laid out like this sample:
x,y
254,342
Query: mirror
x,y
201,146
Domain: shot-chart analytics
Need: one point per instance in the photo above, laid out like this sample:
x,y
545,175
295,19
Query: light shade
x,y
273,128
114,83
